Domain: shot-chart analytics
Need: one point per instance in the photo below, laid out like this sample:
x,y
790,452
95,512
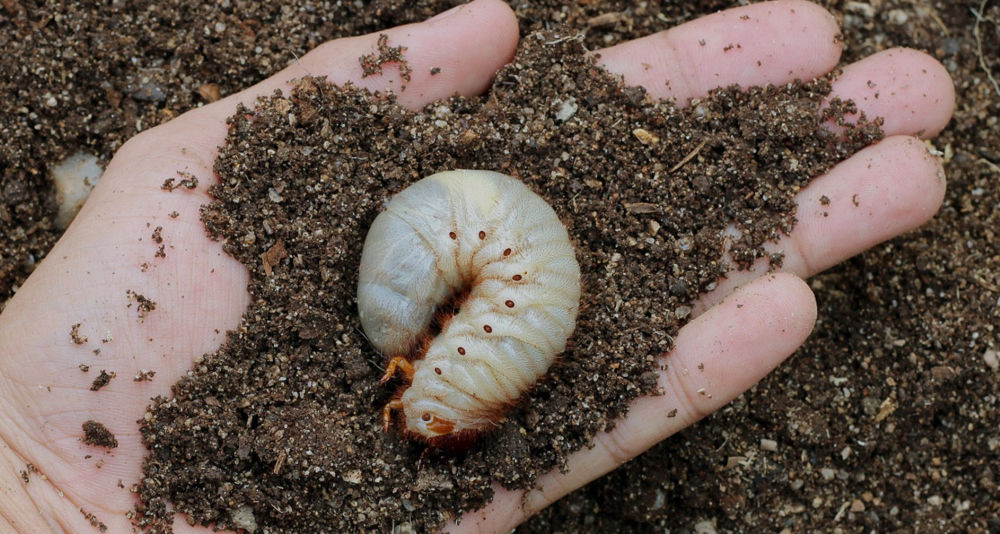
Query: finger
x,y
457,51
909,89
882,191
717,356
879,193
449,54
452,44
760,44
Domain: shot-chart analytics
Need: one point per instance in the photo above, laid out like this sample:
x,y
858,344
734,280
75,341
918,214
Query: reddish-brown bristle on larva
x,y
450,292
445,313
425,344
455,442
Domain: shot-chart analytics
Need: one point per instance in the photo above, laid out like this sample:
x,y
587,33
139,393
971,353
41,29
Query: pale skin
x,y
744,329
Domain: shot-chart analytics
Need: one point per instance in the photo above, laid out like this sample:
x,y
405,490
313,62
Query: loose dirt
x,y
645,190
885,420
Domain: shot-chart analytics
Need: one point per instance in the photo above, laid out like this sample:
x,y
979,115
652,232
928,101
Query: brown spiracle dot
x,y
506,252
461,350
453,235
482,234
437,370
488,328
509,303
516,278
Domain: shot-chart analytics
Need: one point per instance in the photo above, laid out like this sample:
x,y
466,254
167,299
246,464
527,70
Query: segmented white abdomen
x,y
488,234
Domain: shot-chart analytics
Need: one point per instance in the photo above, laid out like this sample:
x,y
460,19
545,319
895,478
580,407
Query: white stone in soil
x,y
74,178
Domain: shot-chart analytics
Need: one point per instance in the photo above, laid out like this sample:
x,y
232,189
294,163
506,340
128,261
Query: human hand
x,y
752,321
201,292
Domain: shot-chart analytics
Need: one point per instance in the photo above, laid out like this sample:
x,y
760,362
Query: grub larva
x,y
484,259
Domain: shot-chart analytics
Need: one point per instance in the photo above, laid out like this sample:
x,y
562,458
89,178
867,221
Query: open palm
x,y
108,256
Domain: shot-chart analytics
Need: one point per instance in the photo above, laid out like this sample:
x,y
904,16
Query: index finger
x,y
760,44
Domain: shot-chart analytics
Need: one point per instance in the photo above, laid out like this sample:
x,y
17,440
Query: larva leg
x,y
394,404
401,363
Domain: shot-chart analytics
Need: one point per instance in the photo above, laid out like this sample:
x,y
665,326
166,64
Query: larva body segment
x,y
487,240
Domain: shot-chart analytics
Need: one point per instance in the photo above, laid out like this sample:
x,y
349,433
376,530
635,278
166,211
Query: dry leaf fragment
x,y
273,256
210,92
645,137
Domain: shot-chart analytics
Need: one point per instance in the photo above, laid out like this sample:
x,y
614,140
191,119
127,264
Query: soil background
x,y
886,419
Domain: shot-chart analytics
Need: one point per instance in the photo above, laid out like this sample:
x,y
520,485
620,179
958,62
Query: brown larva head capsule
x,y
450,233
439,416
431,425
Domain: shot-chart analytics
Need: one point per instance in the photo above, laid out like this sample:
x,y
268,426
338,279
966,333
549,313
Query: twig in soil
x,y
979,45
939,22
689,157
574,37
280,462
993,166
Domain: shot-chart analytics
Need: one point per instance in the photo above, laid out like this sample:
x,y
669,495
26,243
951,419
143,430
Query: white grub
x,y
74,178
487,240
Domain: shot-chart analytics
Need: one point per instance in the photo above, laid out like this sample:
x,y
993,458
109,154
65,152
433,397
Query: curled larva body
x,y
483,243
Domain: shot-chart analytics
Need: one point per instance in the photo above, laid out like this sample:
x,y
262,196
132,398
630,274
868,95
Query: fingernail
x,y
446,14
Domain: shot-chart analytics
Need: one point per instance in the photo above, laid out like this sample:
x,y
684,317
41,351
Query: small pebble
x,y
149,92
567,109
407,505
860,8
990,357
706,526
898,17
243,518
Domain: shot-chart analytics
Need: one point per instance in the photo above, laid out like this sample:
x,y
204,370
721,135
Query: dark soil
x,y
294,397
886,420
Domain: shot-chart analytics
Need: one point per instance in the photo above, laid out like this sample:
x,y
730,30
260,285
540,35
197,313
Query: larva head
x,y
439,413
428,418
